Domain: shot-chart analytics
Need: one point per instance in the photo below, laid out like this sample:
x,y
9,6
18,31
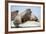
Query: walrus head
x,y
26,17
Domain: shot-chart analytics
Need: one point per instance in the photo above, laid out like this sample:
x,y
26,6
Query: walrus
x,y
25,16
14,14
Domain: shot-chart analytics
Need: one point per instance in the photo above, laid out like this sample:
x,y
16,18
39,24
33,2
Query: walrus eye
x,y
17,11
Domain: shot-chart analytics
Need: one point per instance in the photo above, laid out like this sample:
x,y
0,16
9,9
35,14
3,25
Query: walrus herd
x,y
24,16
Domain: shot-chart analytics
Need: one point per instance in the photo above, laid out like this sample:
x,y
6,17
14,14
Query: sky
x,y
36,10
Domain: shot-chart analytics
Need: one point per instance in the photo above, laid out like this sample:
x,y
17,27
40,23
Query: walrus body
x,y
25,16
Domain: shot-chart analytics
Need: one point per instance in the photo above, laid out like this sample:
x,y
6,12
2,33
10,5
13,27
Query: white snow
x,y
28,24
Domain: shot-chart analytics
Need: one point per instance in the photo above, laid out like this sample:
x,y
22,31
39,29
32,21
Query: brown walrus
x,y
25,16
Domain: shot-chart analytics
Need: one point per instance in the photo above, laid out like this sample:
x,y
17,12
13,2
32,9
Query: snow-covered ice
x,y
28,24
